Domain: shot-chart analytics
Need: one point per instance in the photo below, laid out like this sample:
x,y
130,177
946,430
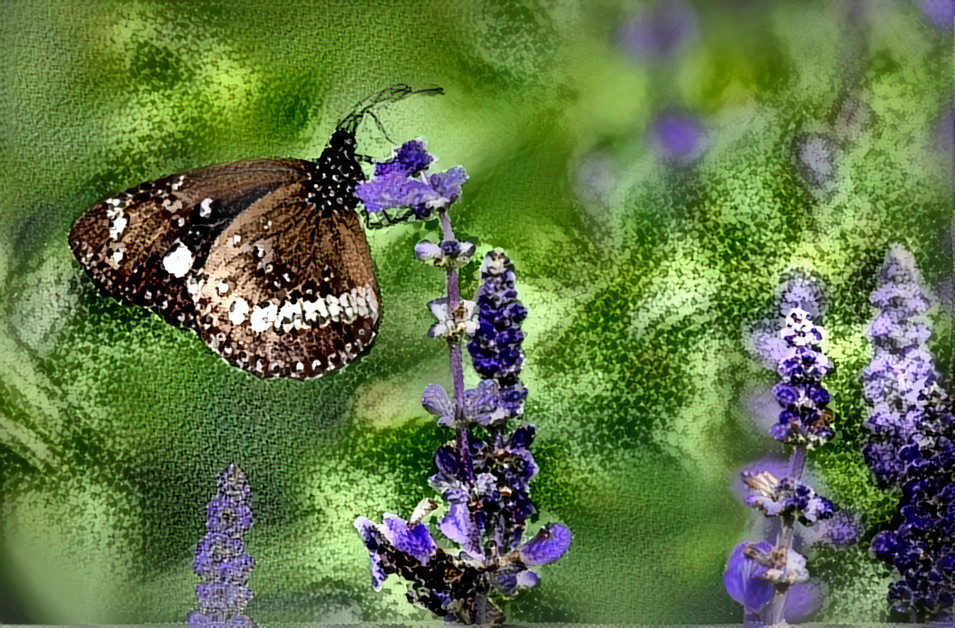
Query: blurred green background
x,y
651,168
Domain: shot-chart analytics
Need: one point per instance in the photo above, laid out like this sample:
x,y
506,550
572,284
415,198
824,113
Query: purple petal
x,y
802,600
368,532
459,526
385,192
436,401
548,545
413,540
742,580
428,251
448,183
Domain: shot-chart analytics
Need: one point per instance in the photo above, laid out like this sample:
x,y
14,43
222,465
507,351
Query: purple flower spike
x,y
771,581
547,546
677,138
659,32
911,446
745,580
221,560
496,346
484,472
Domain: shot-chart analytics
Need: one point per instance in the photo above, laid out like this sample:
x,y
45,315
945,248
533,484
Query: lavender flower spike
x,y
770,579
221,560
483,475
496,346
911,446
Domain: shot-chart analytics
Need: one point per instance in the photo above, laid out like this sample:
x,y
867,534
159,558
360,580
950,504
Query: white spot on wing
x,y
289,316
178,260
315,311
117,225
205,208
334,308
238,311
263,317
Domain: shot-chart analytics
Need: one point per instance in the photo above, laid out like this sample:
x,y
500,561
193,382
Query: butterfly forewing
x,y
265,259
143,244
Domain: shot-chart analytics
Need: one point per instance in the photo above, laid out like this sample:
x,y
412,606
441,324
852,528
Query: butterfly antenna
x,y
386,96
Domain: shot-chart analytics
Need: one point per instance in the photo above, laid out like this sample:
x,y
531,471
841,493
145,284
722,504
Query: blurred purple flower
x,y
816,158
840,530
678,138
938,13
660,31
221,560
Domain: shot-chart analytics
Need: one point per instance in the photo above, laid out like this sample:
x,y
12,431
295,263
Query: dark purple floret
x,y
410,159
786,497
221,560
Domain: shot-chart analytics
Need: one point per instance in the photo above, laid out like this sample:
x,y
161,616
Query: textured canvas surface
x,y
651,175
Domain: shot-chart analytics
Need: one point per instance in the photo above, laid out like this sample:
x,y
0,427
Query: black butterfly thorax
x,y
264,259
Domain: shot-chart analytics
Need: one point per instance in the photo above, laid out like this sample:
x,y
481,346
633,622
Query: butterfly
x,y
264,259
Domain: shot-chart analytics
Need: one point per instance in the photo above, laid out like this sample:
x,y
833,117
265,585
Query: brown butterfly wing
x,y
289,289
144,245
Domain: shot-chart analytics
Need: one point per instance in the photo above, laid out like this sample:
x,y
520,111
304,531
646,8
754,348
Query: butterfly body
x,y
265,259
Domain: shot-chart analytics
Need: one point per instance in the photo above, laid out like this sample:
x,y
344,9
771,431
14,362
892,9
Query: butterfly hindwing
x,y
288,289
141,245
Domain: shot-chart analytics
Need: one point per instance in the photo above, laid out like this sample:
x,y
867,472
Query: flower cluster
x,y
769,579
484,473
401,182
785,497
495,348
221,560
804,420
911,444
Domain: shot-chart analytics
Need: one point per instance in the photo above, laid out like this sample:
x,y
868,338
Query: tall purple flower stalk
x,y
221,561
484,472
911,446
769,578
